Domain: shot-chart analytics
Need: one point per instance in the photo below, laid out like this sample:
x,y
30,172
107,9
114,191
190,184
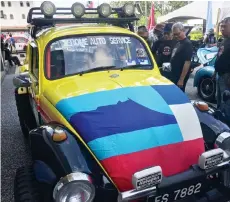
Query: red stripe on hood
x,y
173,159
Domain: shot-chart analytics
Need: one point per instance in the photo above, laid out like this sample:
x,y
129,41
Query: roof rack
x,y
125,16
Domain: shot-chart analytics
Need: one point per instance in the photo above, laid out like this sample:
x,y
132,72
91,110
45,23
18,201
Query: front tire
x,y
25,113
26,188
207,89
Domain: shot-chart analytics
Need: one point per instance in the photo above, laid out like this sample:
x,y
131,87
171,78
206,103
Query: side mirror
x,y
22,80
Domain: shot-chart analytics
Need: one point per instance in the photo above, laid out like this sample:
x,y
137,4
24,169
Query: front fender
x,y
202,72
61,157
211,127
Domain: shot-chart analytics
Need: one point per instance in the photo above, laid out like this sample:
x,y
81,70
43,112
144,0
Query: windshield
x,y
95,53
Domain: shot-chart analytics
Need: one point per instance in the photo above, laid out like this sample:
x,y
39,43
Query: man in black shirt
x,y
222,65
181,57
162,51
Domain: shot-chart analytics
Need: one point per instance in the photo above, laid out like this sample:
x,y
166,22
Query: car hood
x,y
131,122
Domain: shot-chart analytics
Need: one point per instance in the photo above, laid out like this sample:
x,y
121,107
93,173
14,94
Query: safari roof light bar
x,y
78,10
52,15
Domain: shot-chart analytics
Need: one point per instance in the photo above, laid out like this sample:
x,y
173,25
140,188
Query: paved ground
x,y
14,151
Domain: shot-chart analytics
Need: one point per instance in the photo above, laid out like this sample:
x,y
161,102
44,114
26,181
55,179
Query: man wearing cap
x,y
181,57
143,32
162,50
222,66
157,32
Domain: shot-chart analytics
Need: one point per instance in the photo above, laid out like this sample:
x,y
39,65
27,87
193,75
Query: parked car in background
x,y
203,80
20,42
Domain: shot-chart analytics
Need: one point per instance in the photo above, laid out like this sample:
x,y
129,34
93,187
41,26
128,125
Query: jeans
x,y
221,87
15,60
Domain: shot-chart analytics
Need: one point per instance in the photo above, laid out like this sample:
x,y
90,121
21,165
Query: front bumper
x,y
210,180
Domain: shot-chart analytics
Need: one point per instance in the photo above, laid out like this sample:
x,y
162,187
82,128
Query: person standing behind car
x,y
143,32
12,44
162,51
210,39
156,35
181,57
222,64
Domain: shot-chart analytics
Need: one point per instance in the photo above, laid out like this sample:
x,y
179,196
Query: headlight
x,y
223,141
75,187
104,10
129,9
78,10
48,8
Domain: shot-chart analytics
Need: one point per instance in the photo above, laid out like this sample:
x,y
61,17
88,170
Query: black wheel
x,y
25,113
26,188
207,89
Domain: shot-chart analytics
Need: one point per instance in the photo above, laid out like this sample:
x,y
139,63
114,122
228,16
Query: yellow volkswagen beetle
x,y
102,123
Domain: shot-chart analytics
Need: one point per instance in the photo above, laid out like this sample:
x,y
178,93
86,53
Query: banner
x,y
209,24
152,21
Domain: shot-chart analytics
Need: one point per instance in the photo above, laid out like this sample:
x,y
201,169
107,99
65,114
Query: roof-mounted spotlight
x,y
128,9
48,8
104,10
78,9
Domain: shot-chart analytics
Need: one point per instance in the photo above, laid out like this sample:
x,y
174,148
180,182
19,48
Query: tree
x,y
174,5
161,7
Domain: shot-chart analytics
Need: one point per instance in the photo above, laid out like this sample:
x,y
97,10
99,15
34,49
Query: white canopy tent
x,y
198,10
225,11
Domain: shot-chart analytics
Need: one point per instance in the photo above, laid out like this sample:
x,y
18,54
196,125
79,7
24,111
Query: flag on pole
x,y
209,24
152,21
89,4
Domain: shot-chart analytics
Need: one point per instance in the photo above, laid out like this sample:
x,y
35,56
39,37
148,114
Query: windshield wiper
x,y
135,67
96,69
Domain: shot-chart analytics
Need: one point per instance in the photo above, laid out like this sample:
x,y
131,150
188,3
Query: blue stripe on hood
x,y
120,118
144,95
135,141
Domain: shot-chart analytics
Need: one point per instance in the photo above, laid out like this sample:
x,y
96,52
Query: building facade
x,y
14,14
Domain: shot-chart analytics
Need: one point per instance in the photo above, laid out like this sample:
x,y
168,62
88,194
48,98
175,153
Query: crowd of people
x,y
8,49
171,45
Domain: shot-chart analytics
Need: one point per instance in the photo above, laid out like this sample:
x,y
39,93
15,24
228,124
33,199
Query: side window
x,y
34,62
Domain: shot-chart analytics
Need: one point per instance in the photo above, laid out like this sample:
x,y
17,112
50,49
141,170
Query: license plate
x,y
177,194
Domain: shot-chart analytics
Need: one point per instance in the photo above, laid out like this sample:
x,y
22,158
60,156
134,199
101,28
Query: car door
x,y
34,78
